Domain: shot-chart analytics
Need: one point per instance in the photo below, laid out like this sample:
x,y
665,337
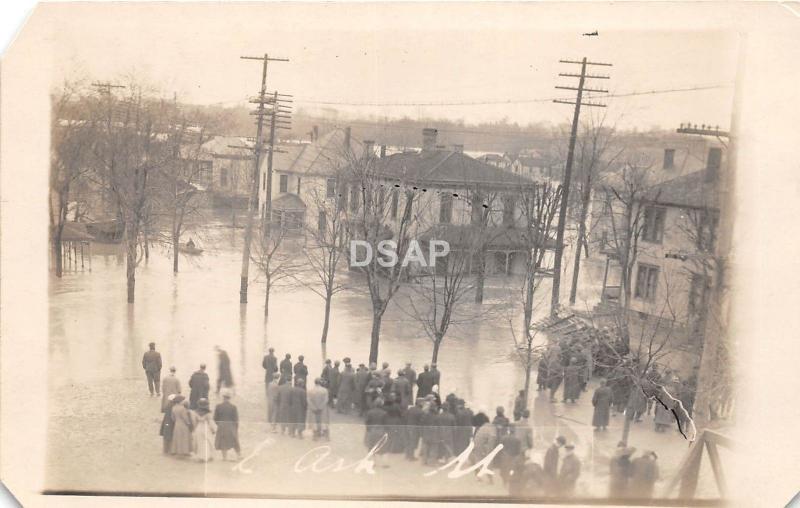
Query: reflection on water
x,y
96,335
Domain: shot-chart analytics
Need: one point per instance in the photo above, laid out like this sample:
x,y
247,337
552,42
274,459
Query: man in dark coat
x,y
347,389
572,381
644,474
301,370
430,434
199,385
168,422
550,465
601,400
446,422
402,389
226,417
619,472
284,404
464,430
555,371
270,364
570,471
286,370
151,363
519,405
414,417
542,376
375,429
410,374
326,373
298,408
437,375
360,397
225,376
334,382
425,382
510,459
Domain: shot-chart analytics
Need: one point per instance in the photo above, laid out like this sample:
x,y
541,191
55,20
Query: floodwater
x,y
96,335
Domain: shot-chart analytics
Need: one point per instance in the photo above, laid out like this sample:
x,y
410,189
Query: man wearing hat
x,y
437,376
301,370
151,363
347,388
550,465
620,470
410,374
169,385
199,385
286,370
226,417
570,471
425,382
644,474
270,364
318,415
224,374
413,419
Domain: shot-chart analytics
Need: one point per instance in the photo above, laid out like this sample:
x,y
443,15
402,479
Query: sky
x,y
506,55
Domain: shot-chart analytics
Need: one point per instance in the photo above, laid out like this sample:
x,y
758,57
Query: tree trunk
x,y
175,252
266,298
328,298
57,255
481,277
576,269
131,271
375,337
528,368
436,343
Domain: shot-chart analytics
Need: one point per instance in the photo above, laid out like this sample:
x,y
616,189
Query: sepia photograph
x,y
388,252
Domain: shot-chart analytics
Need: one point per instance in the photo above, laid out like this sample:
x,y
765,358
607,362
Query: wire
x,y
507,101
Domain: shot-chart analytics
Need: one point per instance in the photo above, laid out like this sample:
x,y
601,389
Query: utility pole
x,y
562,213
279,119
260,112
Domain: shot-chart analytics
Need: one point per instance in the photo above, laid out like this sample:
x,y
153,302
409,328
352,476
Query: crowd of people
x,y
404,414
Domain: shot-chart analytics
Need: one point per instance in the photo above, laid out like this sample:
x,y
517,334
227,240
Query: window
x,y
646,282
509,203
669,158
707,231
223,177
342,197
393,206
653,230
354,198
204,168
713,163
445,208
476,217
330,188
322,221
284,183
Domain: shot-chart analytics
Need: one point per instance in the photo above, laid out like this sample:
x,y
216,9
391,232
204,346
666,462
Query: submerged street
x,y
103,430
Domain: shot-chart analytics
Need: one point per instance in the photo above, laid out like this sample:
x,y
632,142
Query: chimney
x,y
383,151
458,148
369,147
429,139
315,133
347,137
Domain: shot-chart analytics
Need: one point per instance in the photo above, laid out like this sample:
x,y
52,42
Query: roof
x,y
693,190
320,157
288,201
466,235
75,232
221,146
446,168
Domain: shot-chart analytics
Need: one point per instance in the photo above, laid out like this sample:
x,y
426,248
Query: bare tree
x,y
327,247
132,149
595,154
276,260
72,133
381,210
626,194
539,207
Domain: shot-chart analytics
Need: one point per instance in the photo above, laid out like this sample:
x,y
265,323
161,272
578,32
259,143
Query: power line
x,y
508,101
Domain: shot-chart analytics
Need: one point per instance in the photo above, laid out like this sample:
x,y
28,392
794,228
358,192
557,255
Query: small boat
x,y
190,248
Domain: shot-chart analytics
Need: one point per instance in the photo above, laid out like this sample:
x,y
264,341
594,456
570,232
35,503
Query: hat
x,y
346,359
569,446
202,403
178,398
171,397
561,439
272,350
172,369
226,393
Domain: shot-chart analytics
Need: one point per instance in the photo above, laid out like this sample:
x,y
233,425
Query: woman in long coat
x,y
272,401
168,422
601,400
347,389
284,405
182,432
203,433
